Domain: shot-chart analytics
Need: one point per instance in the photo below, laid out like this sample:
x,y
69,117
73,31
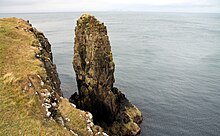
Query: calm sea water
x,y
167,64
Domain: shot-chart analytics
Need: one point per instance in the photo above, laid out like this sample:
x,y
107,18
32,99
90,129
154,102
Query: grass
x,y
16,54
21,113
77,118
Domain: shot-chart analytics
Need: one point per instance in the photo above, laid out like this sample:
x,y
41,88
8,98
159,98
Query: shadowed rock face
x,y
94,67
46,57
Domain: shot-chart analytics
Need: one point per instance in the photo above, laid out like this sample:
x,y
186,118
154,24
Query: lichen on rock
x,y
94,67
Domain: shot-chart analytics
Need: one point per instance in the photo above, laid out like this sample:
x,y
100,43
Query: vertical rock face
x,y
94,67
46,56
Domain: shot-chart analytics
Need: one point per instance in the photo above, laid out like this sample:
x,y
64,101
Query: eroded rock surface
x,y
94,67
46,56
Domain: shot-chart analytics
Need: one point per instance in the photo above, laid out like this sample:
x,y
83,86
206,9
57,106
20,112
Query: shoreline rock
x,y
94,67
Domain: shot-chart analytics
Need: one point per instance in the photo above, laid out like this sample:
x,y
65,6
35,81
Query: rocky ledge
x,y
94,67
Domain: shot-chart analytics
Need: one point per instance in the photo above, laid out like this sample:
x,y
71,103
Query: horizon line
x,y
109,11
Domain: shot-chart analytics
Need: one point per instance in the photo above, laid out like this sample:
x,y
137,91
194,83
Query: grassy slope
x,y
21,113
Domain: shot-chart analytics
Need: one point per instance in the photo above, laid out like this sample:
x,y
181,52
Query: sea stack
x,y
94,67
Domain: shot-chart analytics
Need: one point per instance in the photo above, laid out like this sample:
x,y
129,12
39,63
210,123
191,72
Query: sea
x,y
167,64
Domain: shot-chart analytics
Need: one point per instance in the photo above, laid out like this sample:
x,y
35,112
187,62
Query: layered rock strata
x,y
94,67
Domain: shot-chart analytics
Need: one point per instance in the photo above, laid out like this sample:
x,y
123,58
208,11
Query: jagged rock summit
x,y
94,67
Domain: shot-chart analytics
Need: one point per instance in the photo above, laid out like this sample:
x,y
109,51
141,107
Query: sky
x,y
29,6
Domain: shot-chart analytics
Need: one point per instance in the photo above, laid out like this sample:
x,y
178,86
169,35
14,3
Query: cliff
x,y
31,101
94,67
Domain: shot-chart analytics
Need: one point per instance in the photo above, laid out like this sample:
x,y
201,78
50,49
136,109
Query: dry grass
x,y
77,120
16,54
21,113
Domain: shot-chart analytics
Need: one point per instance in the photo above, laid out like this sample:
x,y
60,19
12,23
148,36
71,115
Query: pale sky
x,y
21,6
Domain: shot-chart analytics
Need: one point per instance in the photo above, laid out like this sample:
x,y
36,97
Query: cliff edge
x,y
31,101
94,67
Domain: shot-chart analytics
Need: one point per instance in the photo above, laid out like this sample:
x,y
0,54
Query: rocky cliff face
x,y
56,106
94,67
45,55
31,100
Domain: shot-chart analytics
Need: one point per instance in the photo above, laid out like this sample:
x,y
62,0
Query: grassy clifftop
x,y
21,103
